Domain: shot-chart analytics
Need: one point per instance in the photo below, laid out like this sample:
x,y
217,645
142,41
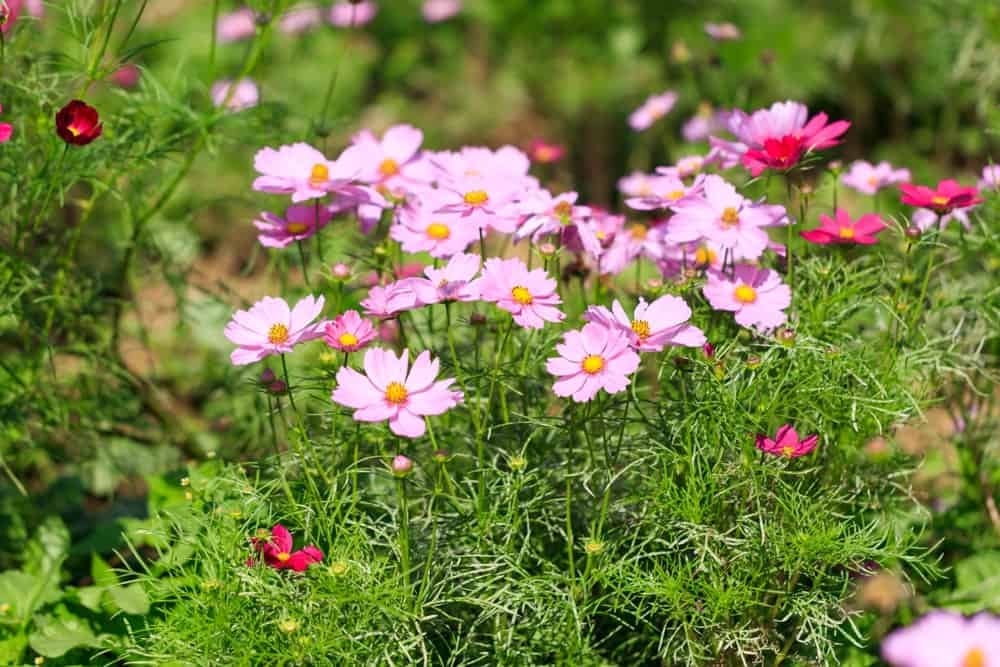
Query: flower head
x,y
386,301
237,25
387,160
652,110
530,296
722,32
422,227
78,123
652,326
270,327
664,191
303,172
787,443
544,152
944,638
991,177
349,332
277,551
705,122
868,179
544,214
844,230
592,359
300,19
435,11
455,282
300,222
945,198
348,14
245,95
755,295
390,390
6,130
127,76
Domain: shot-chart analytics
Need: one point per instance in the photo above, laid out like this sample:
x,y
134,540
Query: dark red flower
x,y
948,196
277,550
78,123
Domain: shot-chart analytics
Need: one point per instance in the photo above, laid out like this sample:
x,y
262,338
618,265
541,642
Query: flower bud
x,y
401,465
338,568
277,387
547,249
441,456
288,625
709,350
267,376
786,336
593,547
518,463
753,361
340,271
913,232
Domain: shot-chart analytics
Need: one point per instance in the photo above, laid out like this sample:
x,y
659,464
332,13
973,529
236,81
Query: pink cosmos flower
x,y
924,218
298,20
592,359
10,10
787,443
299,223
387,159
422,228
303,172
948,196
844,230
127,76
945,639
246,95
664,191
277,551
991,177
652,110
723,216
237,25
6,130
653,326
595,236
868,179
686,166
455,282
777,137
638,184
352,14
634,241
388,392
349,332
722,32
270,327
544,214
704,123
544,152
435,11
389,300
755,295
530,296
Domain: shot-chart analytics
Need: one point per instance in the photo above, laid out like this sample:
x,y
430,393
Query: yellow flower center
x,y
745,294
396,393
592,363
389,167
476,197
74,130
600,235
873,181
939,201
563,209
705,256
974,658
277,334
545,153
847,232
347,339
638,232
522,295
788,451
320,174
283,556
674,195
296,227
730,216
438,231
641,328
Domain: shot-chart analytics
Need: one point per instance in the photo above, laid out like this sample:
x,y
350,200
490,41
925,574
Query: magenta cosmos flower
x,y
237,25
352,14
545,152
245,95
530,296
755,295
349,332
787,443
388,392
422,227
6,130
386,301
723,216
299,223
777,137
270,327
455,282
868,179
592,359
303,172
435,11
652,110
653,326
947,197
945,639
277,551
844,230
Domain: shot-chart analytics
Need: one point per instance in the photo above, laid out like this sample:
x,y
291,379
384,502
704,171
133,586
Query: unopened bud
x,y
267,376
594,548
441,456
913,232
277,387
786,336
518,463
401,465
753,361
340,271
547,249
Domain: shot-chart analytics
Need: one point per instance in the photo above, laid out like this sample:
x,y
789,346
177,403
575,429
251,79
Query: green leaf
x,y
131,599
26,593
977,581
90,597
55,637
102,573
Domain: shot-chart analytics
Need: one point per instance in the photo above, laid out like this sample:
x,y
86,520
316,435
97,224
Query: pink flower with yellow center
x,y
349,332
270,327
391,390
652,326
665,191
943,638
303,172
530,296
787,443
652,110
868,179
755,295
299,223
387,160
543,214
386,301
454,282
277,550
421,227
593,358
945,198
844,230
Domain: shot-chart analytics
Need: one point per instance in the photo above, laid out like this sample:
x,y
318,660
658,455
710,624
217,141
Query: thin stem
x,y
305,265
277,452
404,531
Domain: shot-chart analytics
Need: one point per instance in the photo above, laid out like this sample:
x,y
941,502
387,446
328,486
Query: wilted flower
x,y
652,110
349,332
755,295
270,327
245,94
869,179
78,123
941,638
277,551
844,230
787,443
592,359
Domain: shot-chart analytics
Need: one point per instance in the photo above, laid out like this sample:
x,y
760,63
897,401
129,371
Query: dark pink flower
x,y
844,230
277,551
787,443
543,152
349,332
6,130
948,196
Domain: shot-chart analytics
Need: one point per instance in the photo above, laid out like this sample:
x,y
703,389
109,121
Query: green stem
x,y
404,531
305,265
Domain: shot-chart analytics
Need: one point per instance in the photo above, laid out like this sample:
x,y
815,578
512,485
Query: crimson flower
x,y
787,443
844,230
277,551
78,123
948,196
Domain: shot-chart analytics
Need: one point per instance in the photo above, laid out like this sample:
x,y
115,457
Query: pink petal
x,y
407,424
281,539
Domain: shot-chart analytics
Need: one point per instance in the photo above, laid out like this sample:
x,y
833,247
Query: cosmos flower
x,y
787,443
127,76
455,282
991,177
300,222
844,230
592,359
78,123
303,172
389,391
389,300
6,130
236,26
943,638
945,198
300,19
652,110
868,179
664,191
722,32
386,160
544,152
544,214
277,551
653,326
435,11
705,122
352,14
530,296
270,327
348,332
755,295
245,95
420,227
